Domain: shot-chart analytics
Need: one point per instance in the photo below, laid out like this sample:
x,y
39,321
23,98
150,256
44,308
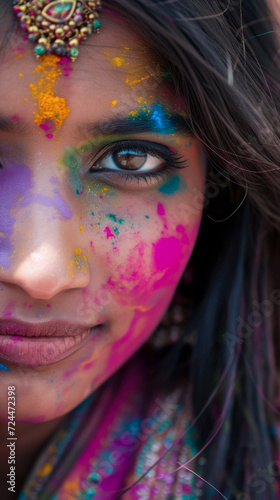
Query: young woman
x,y
139,250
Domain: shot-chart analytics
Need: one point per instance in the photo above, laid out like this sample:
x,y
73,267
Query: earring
x,y
173,322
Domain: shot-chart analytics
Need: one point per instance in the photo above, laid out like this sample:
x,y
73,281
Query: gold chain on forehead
x,y
58,27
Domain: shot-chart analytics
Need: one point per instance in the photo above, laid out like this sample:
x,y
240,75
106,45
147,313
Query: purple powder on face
x,y
15,181
56,201
15,184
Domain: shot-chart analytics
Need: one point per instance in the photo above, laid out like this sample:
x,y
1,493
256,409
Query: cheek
x,y
145,254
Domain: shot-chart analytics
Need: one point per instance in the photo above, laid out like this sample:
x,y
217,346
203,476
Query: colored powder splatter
x,y
56,201
14,182
72,159
9,309
172,185
50,106
135,72
133,81
79,263
108,233
160,209
157,117
114,103
47,125
4,368
167,251
15,185
118,61
114,218
180,229
138,73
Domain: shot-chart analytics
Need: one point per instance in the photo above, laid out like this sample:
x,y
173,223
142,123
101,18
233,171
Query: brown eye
x,y
129,159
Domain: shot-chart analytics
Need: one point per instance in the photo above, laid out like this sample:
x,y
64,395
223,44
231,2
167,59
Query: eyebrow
x,y
13,125
175,123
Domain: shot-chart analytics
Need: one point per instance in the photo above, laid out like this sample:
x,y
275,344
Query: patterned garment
x,y
114,437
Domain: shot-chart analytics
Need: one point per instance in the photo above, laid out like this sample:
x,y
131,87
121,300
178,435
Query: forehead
x,y
115,67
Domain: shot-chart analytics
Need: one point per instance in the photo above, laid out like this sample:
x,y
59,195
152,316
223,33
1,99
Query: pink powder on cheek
x,y
167,251
87,366
185,238
108,233
160,209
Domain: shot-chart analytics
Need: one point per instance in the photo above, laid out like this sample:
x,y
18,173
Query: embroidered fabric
x,y
114,437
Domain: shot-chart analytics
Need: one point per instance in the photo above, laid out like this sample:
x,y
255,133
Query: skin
x,y
128,285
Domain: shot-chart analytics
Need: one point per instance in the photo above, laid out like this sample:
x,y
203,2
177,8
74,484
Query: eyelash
x,y
171,160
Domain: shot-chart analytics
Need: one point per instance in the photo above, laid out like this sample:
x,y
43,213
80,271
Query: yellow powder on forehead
x,y
118,61
136,70
133,81
50,106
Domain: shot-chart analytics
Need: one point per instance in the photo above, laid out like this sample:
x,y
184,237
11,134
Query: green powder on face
x,y
112,217
172,185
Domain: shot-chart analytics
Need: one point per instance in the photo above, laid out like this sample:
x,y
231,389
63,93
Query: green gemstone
x,y
96,24
39,50
74,52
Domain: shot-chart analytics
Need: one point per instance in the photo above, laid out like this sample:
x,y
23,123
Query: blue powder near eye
x,y
160,120
172,185
156,118
4,368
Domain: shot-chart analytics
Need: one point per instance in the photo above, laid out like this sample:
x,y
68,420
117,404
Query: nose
x,y
47,255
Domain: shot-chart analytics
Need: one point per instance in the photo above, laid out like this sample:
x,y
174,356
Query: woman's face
x,y
91,250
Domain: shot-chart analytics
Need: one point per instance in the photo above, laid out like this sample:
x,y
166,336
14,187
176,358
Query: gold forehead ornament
x,y
58,27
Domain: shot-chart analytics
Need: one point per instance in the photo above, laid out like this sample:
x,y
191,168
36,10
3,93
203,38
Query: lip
x,y
57,328
41,344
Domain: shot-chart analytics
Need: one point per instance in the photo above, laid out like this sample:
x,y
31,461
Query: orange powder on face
x,y
51,108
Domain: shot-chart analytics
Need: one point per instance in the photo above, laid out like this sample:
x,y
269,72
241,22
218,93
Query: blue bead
x,y
96,24
39,50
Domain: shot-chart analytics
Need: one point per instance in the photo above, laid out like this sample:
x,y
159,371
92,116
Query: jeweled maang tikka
x,y
58,27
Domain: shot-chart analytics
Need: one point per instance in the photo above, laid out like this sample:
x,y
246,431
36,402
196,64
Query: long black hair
x,y
222,59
